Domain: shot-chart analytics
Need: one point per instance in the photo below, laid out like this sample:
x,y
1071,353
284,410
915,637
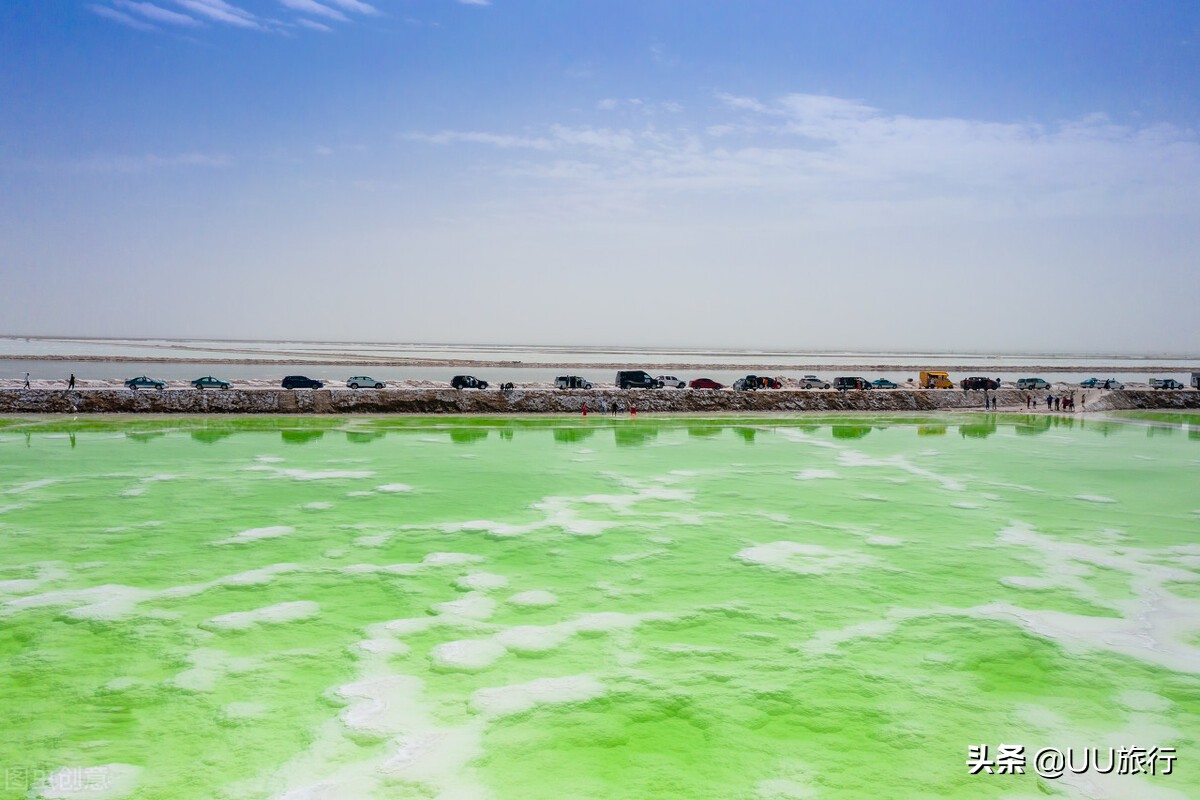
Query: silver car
x,y
671,382
362,380
813,382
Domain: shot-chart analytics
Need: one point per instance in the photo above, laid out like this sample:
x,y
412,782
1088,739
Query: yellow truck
x,y
936,380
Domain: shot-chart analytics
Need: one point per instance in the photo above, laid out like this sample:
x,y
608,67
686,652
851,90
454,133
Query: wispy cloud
x,y
475,2
816,154
311,25
313,7
355,6
221,11
121,17
157,13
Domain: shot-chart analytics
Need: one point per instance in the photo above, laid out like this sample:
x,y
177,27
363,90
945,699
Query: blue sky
x,y
986,176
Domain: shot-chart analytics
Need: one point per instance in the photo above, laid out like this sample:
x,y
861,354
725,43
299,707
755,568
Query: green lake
x,y
548,608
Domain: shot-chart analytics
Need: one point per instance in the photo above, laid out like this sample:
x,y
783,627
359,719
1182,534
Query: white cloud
x,y
151,11
121,17
313,7
221,11
311,25
475,2
479,137
357,6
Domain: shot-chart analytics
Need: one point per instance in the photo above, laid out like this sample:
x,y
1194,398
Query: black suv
x,y
979,383
637,379
844,384
467,382
301,382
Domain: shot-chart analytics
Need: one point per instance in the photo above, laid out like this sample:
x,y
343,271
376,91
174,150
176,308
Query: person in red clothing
x,y
632,411
585,409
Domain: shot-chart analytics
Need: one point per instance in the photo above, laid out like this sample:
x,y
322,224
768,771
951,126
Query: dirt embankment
x,y
425,400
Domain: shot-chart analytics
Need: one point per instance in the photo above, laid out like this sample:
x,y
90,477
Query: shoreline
x,y
522,400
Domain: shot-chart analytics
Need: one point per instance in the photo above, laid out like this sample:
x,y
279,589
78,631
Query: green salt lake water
x,y
532,608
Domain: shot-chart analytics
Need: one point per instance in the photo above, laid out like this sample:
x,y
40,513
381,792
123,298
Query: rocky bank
x,y
425,400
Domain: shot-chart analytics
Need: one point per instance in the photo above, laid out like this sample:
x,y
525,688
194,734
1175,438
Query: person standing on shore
x,y
71,382
26,380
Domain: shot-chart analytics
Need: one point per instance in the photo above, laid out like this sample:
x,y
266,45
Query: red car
x,y
705,383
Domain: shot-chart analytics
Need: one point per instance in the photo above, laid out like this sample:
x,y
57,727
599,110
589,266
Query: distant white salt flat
x,y
502,701
93,782
816,475
255,534
536,598
805,559
267,615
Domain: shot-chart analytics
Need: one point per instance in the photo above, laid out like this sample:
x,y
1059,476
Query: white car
x,y
363,380
813,382
671,382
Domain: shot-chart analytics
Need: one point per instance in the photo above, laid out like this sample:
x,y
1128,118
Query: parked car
x,y
1165,383
637,379
209,382
844,384
671,382
142,382
813,382
301,382
572,382
1032,383
753,382
467,382
979,383
884,383
705,383
1096,383
363,380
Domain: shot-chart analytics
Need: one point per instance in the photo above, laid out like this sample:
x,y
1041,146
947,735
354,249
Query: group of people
x,y
614,409
1053,403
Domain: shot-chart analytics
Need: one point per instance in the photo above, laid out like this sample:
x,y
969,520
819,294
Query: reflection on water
x,y
300,436
850,431
468,435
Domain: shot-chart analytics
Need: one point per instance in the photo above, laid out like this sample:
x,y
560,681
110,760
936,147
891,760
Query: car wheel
x,y
483,385
379,386
354,386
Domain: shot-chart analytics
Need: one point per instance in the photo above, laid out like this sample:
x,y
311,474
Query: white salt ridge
x,y
430,560
468,655
884,541
805,559
114,601
968,506
503,701
481,581
254,534
209,666
816,474
625,558
29,486
394,488
318,505
268,615
474,605
536,598
853,458
560,512
102,782
307,475
1094,498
